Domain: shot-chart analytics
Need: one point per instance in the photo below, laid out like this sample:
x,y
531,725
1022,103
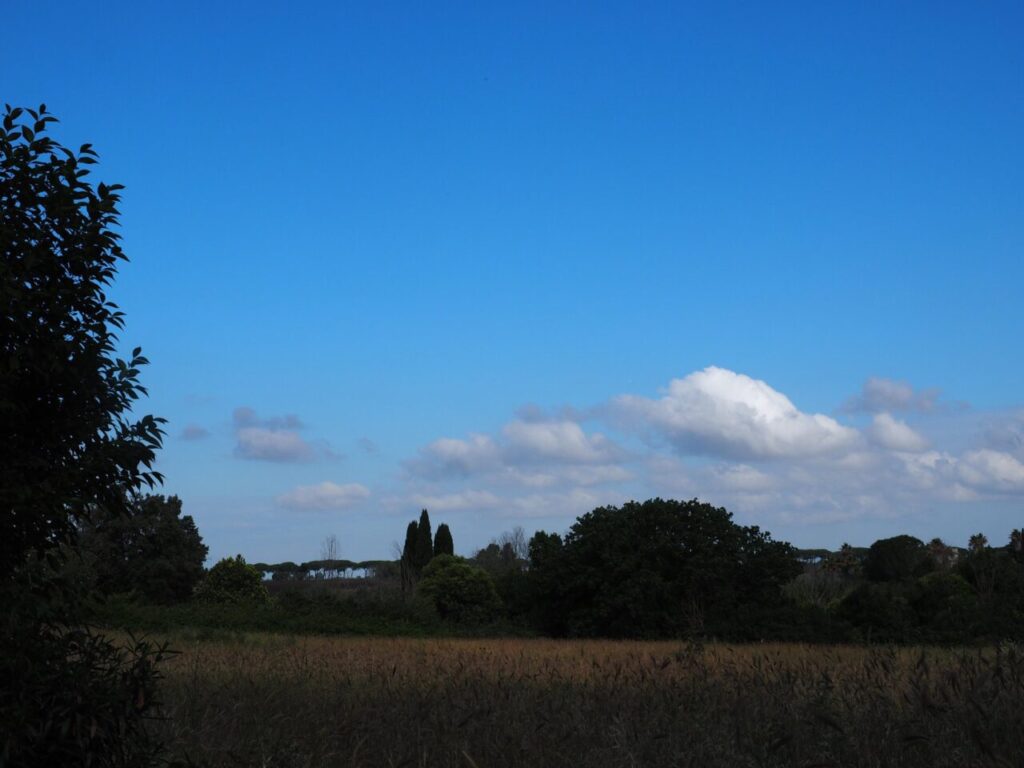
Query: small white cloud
x,y
744,478
520,448
721,413
194,432
560,441
451,456
457,502
324,496
561,475
272,445
895,435
274,439
568,504
880,394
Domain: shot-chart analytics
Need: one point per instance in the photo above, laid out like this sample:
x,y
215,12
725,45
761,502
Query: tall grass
x,y
278,701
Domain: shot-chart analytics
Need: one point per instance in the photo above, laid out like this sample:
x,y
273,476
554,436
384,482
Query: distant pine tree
x,y
443,544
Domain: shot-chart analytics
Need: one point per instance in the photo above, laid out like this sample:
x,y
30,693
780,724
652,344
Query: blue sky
x,y
514,261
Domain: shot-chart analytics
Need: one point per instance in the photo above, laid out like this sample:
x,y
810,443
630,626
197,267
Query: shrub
x,y
459,591
232,580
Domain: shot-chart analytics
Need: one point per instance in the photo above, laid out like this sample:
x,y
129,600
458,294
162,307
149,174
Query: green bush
x,y
232,580
459,591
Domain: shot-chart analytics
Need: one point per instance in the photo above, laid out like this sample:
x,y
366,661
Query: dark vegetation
x,y
71,453
652,570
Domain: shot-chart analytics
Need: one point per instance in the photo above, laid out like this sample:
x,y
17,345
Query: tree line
x,y
653,569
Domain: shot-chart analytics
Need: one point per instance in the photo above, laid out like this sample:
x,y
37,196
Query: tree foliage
x,y
71,449
657,568
459,591
232,580
443,543
421,546
70,444
156,552
423,550
897,558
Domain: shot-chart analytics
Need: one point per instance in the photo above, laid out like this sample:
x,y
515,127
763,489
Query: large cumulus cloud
x,y
721,413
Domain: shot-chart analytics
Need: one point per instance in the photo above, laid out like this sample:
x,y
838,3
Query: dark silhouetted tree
x,y
978,542
424,549
443,543
660,568
156,552
408,559
897,558
71,448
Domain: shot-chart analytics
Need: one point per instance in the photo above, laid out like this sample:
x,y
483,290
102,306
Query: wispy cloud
x,y
895,435
324,496
880,394
194,432
274,439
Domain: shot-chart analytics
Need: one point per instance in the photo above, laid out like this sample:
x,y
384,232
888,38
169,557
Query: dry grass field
x,y
278,701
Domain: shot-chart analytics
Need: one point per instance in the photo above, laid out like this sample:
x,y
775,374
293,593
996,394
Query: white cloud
x,y
517,452
451,456
560,474
272,445
880,394
742,477
1006,433
324,496
457,502
244,416
895,435
566,504
721,413
275,438
992,471
557,441
734,441
194,432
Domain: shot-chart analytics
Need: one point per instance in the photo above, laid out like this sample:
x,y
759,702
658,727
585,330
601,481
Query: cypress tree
x,y
409,550
409,569
424,550
443,544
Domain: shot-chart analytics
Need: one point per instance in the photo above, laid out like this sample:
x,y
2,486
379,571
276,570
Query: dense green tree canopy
x,y
459,591
897,558
660,568
156,552
232,580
